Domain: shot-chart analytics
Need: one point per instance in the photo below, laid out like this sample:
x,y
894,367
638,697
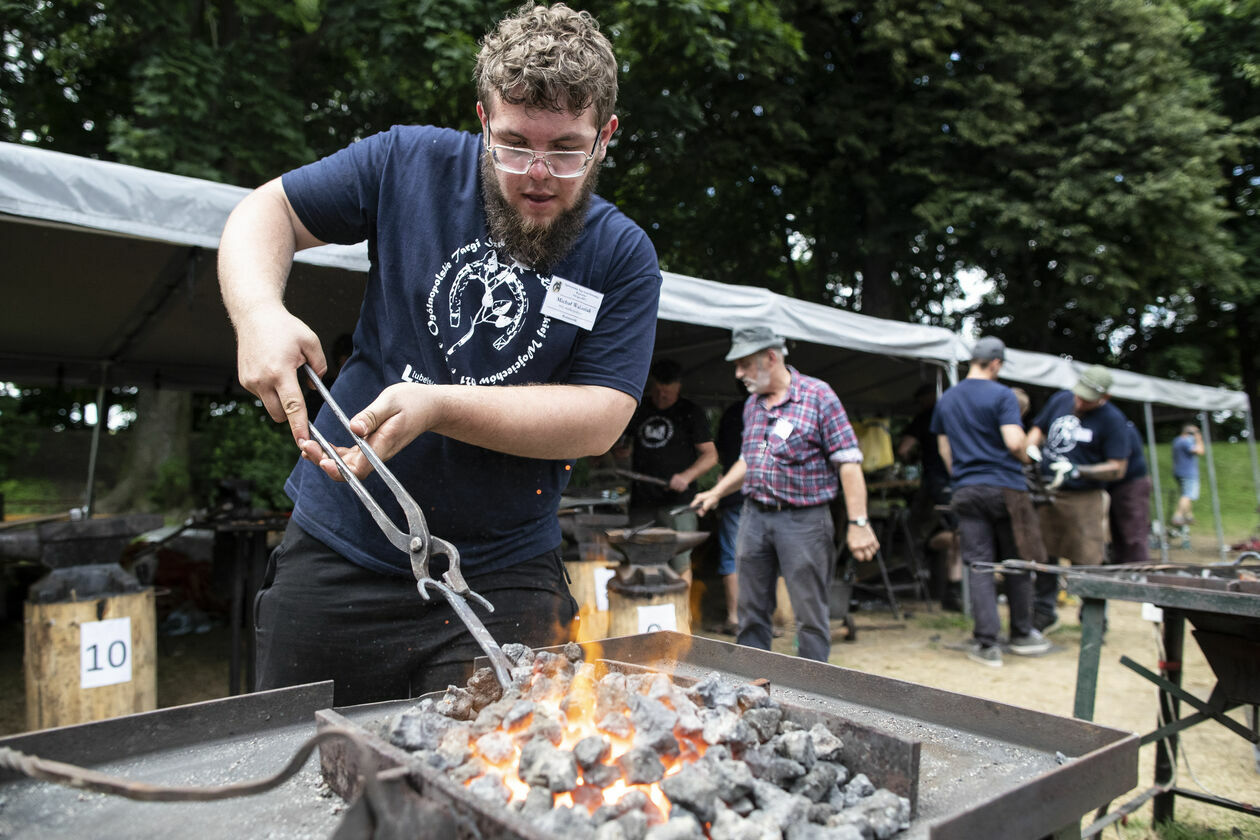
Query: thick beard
x,y
539,247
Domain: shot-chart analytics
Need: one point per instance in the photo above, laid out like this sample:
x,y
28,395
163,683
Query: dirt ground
x,y
927,647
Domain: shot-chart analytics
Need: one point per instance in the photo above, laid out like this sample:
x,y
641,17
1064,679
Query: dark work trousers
x,y
984,525
1130,516
320,617
799,544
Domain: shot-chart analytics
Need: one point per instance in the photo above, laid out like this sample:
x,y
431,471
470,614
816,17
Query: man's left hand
x,y
394,419
862,542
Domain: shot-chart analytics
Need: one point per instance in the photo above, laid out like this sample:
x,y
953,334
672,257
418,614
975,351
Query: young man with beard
x,y
492,264
798,452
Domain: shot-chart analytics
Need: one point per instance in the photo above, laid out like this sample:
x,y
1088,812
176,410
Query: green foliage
x,y
241,441
173,486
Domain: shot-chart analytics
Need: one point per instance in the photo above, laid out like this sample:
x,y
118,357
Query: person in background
x,y
1129,513
1085,446
670,441
730,433
506,330
797,453
982,444
932,528
1186,449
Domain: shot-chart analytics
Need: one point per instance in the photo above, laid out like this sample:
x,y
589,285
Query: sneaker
x,y
1030,645
1046,624
990,655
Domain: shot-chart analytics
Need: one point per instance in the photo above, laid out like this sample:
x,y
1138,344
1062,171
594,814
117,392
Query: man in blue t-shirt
x,y
1085,445
982,444
1186,449
493,263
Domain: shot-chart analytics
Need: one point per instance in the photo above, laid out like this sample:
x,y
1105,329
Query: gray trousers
x,y
800,545
985,532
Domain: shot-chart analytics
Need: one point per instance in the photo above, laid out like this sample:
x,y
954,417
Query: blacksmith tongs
x,y
417,543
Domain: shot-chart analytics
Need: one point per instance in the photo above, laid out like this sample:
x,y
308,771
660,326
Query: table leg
x,y
1092,614
1170,710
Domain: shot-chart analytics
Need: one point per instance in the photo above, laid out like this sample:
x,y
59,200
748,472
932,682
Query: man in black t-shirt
x,y
671,441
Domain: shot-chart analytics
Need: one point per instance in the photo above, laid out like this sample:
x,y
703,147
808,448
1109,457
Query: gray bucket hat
x,y
1094,384
748,340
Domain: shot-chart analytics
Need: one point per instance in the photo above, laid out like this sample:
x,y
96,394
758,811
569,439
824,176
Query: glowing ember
x,y
585,751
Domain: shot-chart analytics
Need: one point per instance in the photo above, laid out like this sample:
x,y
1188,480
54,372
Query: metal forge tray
x,y
971,767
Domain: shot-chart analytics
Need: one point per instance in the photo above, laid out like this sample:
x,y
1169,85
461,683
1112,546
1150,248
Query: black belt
x,y
773,507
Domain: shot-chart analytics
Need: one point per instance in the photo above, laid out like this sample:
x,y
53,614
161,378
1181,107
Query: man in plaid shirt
x,y
798,451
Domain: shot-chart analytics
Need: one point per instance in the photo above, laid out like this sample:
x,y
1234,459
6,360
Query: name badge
x,y
1083,435
782,429
572,303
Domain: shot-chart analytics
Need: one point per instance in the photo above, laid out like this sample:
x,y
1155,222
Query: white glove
x,y
1062,470
1034,453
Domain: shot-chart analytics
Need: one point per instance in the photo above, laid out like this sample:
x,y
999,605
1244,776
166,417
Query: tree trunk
x,y
155,472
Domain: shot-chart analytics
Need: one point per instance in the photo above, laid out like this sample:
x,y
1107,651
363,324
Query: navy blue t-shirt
x,y
444,305
1093,438
1137,455
971,415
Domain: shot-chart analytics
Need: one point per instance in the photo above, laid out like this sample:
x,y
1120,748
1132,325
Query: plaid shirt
x,y
789,449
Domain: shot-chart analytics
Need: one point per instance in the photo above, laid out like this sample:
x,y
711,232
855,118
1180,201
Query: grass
x,y
1236,490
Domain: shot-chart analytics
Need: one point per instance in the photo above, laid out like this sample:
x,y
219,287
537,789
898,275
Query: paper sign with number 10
x,y
104,652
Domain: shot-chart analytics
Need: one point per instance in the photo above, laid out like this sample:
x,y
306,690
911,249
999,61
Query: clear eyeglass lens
x,y
557,163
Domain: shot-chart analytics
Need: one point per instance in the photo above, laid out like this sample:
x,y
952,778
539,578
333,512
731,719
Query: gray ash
x,y
582,756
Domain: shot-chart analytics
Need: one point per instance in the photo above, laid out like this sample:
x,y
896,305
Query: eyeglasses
x,y
518,161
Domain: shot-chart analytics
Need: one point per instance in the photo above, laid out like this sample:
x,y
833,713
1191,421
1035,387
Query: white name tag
x,y
572,303
1084,435
782,429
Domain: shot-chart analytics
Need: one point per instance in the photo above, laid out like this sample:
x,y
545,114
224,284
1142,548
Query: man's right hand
x,y
271,345
705,502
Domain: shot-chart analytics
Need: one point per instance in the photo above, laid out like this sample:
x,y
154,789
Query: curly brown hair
x,y
552,58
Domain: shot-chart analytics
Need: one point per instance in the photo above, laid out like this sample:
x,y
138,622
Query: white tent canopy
x,y
1058,372
109,278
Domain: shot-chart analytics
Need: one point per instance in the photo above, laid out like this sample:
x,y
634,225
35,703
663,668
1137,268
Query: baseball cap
x,y
1094,383
987,349
748,340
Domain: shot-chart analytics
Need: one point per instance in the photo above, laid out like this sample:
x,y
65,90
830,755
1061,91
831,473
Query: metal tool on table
x,y
418,543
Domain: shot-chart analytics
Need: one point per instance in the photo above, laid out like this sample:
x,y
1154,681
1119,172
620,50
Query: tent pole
x,y
1204,424
1255,465
1153,466
90,495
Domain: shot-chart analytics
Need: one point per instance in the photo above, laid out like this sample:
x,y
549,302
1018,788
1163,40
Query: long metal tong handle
x,y
419,543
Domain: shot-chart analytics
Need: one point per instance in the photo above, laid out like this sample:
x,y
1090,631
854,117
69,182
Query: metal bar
x,y
89,502
1216,800
1166,750
1215,707
1093,612
1255,462
1153,468
1205,424
1095,828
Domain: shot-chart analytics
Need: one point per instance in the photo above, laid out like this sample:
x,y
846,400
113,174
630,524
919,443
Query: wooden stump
x,y
589,590
72,647
629,615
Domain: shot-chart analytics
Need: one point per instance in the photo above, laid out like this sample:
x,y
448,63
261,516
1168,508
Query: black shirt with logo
x,y
665,442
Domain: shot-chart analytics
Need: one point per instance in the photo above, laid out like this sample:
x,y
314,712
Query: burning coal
x,y
587,752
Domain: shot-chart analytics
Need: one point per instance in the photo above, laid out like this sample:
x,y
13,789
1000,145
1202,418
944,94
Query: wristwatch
x,y
861,522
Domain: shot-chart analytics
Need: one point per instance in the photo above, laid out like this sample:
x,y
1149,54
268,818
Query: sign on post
x,y
105,652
